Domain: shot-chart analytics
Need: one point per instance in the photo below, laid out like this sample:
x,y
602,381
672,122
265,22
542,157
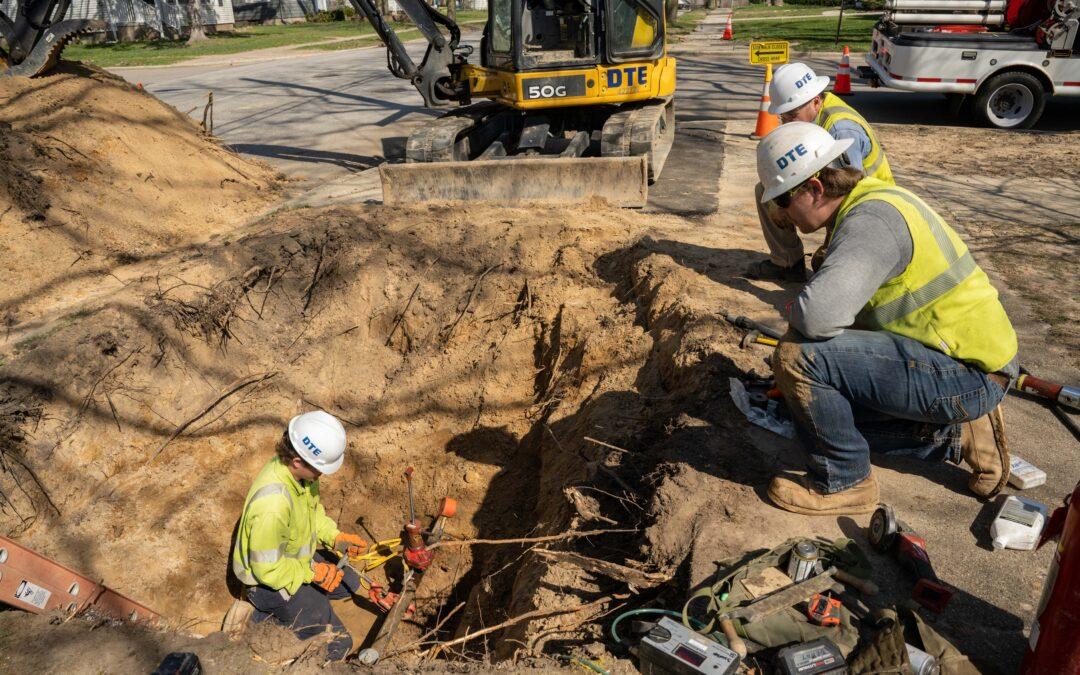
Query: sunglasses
x,y
783,201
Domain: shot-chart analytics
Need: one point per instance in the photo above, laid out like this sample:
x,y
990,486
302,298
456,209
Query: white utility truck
x,y
1000,59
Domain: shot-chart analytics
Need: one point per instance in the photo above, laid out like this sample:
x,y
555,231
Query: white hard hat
x,y
792,153
794,84
319,439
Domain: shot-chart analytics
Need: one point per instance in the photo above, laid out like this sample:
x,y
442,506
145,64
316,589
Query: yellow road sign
x,y
762,53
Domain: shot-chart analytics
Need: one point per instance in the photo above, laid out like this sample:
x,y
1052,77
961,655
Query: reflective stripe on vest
x,y
960,268
243,574
942,298
272,489
241,567
833,109
896,309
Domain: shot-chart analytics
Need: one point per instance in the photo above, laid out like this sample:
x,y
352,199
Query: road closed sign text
x,y
762,53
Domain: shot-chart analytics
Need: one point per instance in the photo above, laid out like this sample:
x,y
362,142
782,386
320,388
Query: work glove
x,y
350,545
327,576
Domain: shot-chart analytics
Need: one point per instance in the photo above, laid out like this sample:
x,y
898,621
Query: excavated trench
x,y
550,369
484,347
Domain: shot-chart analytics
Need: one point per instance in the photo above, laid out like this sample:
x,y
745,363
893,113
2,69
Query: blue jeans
x,y
871,390
308,611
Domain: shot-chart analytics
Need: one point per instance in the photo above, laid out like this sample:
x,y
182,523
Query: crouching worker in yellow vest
x,y
897,344
283,524
797,94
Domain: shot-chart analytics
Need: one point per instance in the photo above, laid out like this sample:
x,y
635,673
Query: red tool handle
x,y
1029,384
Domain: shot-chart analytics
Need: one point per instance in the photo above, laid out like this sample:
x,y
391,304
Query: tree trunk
x,y
198,31
451,9
672,11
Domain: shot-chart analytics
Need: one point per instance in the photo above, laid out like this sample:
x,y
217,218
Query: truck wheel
x,y
1011,101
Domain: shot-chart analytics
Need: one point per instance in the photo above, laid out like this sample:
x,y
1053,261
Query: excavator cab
x,y
568,33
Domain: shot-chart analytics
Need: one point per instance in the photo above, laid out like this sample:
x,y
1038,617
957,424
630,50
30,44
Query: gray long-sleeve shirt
x,y
872,246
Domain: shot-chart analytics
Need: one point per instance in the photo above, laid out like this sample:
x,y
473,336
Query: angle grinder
x,y
888,534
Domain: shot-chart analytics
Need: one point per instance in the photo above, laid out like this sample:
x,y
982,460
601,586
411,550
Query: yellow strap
x,y
378,555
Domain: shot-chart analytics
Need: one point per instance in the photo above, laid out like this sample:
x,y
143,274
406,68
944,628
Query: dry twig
x,y
527,540
632,576
419,641
239,385
609,446
90,394
468,302
401,314
535,614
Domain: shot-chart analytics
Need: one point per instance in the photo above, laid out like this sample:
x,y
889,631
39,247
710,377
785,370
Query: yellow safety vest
x,y
833,109
943,299
282,523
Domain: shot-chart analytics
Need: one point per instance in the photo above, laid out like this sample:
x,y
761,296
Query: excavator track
x,y
470,132
641,129
450,138
488,152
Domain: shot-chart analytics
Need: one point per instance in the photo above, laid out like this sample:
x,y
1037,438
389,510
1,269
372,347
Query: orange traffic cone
x,y
765,121
843,75
728,35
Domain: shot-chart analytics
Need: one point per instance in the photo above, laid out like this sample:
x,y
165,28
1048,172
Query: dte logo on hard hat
x,y
790,156
314,448
805,78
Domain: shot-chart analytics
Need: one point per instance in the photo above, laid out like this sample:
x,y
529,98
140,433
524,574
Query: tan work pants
x,y
785,247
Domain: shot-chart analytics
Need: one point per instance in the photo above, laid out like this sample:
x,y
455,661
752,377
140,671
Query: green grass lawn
x,y
164,52
813,34
406,32
686,23
754,11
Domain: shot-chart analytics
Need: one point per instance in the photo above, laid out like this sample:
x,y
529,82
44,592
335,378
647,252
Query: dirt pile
x,y
479,346
96,174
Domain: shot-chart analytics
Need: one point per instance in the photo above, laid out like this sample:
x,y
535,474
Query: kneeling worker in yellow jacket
x,y
898,344
283,523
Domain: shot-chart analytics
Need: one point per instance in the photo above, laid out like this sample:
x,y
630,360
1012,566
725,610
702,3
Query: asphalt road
x,y
324,114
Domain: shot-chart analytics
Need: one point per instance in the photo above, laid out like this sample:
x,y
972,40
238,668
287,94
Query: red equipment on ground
x,y
1053,646
35,583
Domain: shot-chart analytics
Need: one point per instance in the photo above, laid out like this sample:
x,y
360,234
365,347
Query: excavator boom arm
x,y
435,77
34,38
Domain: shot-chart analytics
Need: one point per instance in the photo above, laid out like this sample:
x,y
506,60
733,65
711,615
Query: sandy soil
x,y
479,345
98,174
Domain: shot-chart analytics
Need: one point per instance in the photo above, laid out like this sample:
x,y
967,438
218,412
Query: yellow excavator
x,y
573,98
581,89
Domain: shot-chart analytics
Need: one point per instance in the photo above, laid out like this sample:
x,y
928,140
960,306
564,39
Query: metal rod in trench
x,y
371,655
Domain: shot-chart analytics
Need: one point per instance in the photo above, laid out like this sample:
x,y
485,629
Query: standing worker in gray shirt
x,y
897,344
798,95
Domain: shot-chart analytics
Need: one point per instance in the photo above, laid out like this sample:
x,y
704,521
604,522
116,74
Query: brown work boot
x,y
984,448
798,495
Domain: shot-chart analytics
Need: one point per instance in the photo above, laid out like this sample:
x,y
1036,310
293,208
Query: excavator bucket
x,y
621,181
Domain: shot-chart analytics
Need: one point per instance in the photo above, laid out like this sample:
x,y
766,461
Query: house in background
x,y
276,11
122,20
126,20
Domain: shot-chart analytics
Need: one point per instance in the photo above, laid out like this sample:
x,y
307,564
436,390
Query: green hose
x,y
636,612
698,625
585,663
